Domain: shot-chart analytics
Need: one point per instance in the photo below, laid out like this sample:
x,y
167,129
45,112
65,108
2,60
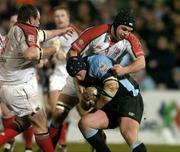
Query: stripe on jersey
x,y
127,84
89,35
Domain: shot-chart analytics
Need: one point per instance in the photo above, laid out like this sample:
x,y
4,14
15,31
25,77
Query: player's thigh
x,y
56,82
39,121
70,88
6,113
97,119
23,98
129,129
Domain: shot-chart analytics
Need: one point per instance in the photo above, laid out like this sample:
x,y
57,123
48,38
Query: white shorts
x,y
22,99
70,88
56,82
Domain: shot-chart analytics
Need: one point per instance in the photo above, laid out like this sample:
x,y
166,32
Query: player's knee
x,y
83,123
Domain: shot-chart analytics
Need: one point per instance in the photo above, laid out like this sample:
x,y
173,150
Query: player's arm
x,y
36,53
110,88
48,34
135,50
136,66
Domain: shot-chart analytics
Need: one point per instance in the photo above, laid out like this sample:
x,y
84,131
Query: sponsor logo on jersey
x,y
81,42
31,38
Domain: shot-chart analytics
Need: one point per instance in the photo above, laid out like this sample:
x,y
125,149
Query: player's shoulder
x,y
95,31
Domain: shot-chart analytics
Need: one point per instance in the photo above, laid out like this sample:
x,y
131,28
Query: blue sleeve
x,y
99,66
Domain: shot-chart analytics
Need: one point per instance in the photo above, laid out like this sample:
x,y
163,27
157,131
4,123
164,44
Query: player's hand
x,y
89,93
118,70
67,30
87,105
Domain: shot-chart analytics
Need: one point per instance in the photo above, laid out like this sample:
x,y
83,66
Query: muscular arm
x,y
35,53
136,66
48,34
111,87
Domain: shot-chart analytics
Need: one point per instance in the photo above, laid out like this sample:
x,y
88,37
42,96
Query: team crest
x,y
81,42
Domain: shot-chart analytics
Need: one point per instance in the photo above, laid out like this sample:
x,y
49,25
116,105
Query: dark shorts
x,y
128,106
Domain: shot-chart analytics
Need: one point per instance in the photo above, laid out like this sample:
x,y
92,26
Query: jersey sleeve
x,y
42,36
134,46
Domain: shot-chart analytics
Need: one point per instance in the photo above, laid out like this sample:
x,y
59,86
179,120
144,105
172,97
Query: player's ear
x,y
31,20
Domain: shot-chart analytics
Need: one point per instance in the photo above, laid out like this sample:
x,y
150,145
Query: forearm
x,y
52,33
35,53
136,66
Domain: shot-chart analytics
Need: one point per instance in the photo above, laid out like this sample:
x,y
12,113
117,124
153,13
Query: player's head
x,y
124,20
12,20
29,14
61,16
77,67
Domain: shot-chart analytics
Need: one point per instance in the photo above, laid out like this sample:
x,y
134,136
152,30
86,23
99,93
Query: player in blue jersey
x,y
119,103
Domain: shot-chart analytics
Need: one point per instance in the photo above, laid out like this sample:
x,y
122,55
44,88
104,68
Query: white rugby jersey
x,y
2,43
15,69
66,41
97,40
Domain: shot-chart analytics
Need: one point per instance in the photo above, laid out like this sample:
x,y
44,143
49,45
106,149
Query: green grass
x,y
77,147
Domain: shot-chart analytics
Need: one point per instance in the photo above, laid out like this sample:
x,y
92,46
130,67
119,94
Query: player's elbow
x,y
142,62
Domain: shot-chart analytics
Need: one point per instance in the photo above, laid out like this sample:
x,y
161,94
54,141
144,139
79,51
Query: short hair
x,y
26,11
62,7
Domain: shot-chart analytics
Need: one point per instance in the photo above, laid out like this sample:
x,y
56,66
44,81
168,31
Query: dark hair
x,y
124,17
26,11
75,64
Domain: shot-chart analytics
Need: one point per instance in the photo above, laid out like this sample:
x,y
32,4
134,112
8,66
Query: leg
x,y
62,140
7,119
89,125
28,137
129,129
64,104
39,123
13,130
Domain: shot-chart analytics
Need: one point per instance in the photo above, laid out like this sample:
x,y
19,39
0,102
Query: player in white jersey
x,y
18,84
7,116
115,41
58,78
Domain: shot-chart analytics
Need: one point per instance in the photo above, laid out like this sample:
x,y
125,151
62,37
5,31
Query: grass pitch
x,y
83,147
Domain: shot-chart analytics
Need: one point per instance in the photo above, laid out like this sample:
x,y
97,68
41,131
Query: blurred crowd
x,y
157,26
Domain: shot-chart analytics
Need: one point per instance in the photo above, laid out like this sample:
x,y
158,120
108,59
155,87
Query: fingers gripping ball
x,y
90,93
89,98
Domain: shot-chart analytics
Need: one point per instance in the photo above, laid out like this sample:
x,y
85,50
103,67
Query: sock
x,y
9,133
138,147
54,134
7,121
94,137
62,139
28,137
44,142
